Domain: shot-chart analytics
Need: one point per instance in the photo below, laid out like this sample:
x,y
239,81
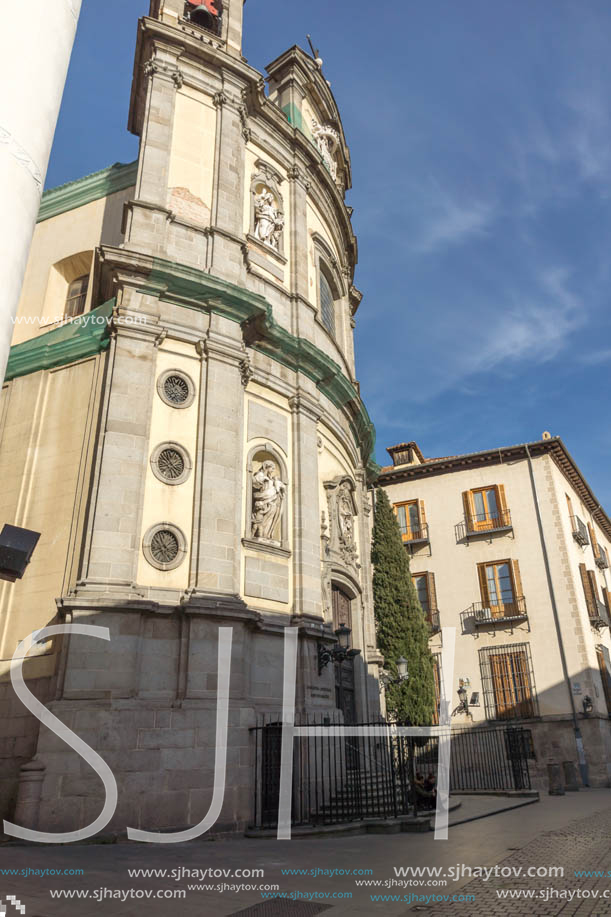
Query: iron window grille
x,y
508,682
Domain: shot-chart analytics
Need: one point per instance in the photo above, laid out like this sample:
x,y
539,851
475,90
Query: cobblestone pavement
x,y
584,844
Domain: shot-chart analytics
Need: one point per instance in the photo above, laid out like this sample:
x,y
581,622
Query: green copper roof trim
x,y
83,337
194,289
114,178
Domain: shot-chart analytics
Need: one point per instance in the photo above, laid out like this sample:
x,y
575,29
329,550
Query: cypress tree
x,y
401,627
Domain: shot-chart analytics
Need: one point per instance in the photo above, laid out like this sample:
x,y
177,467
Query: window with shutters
x,y
412,521
427,596
486,510
598,612
342,608
508,682
604,664
501,592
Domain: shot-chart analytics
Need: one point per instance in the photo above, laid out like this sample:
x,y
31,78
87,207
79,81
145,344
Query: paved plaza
x,y
573,832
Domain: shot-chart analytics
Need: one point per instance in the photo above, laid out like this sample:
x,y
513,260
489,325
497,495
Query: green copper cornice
x,y
196,289
83,337
87,189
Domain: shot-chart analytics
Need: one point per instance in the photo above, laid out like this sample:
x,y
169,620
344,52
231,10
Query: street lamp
x,y
340,652
402,673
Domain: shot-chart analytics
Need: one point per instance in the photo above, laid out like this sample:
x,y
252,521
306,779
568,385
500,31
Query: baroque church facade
x,y
193,448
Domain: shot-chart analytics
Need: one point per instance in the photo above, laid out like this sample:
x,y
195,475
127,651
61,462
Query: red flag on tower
x,y
210,5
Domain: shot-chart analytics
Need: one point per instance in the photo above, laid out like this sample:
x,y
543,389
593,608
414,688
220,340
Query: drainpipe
x,y
583,765
37,40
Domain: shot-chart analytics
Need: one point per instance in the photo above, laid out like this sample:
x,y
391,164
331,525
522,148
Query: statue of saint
x,y
269,222
267,495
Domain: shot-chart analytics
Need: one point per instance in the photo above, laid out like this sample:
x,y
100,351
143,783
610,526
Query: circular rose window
x,y
176,389
164,546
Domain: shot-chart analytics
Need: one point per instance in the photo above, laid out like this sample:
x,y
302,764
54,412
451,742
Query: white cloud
x,y
449,221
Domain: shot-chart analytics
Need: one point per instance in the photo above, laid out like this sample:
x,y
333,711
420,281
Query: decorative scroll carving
x,y
154,67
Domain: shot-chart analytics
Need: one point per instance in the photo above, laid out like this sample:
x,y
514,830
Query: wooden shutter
x,y
593,540
500,685
437,690
422,519
593,584
502,503
522,690
604,664
587,589
469,508
430,584
483,584
570,505
607,599
518,591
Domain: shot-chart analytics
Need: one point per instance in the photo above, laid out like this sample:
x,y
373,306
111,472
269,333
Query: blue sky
x,y
480,136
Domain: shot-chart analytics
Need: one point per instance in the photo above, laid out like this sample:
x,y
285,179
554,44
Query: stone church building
x,y
192,448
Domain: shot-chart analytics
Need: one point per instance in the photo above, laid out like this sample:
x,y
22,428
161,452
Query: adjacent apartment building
x,y
511,547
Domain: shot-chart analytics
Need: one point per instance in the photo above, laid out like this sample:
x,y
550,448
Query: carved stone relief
x,y
340,538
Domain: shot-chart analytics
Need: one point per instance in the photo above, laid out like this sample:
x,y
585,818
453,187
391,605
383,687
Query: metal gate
x,y
338,779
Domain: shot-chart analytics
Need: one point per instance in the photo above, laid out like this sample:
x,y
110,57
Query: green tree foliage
x,y
400,623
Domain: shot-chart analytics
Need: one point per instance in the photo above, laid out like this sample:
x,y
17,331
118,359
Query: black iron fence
x,y
338,779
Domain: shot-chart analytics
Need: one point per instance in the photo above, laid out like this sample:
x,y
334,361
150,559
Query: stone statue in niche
x,y
341,542
269,220
327,140
268,493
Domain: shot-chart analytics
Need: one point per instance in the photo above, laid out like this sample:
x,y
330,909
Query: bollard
x,y
570,776
556,780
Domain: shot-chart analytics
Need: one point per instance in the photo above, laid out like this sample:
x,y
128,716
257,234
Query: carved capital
x,y
219,99
154,67
303,404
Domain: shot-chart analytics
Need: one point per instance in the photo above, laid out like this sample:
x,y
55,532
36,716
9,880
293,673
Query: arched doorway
x,y
345,693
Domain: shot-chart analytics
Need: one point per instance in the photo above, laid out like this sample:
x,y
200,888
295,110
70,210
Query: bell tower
x,y
219,18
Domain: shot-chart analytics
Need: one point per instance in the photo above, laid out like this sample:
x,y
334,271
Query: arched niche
x,y
267,208
267,498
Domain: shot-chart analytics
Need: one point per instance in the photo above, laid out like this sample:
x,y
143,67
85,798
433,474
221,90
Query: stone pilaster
x,y
227,231
306,512
116,507
148,213
298,191
220,464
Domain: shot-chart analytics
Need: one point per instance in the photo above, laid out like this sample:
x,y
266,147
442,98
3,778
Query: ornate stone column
x,y
36,48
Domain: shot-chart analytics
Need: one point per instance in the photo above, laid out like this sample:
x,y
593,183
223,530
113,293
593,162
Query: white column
x,y
37,39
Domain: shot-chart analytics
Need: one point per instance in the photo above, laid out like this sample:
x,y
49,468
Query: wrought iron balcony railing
x,y
601,559
432,618
580,531
484,524
599,614
498,614
412,534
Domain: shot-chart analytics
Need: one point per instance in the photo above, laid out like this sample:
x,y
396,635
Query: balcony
x,y
485,525
414,536
580,531
599,614
480,615
601,559
432,618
